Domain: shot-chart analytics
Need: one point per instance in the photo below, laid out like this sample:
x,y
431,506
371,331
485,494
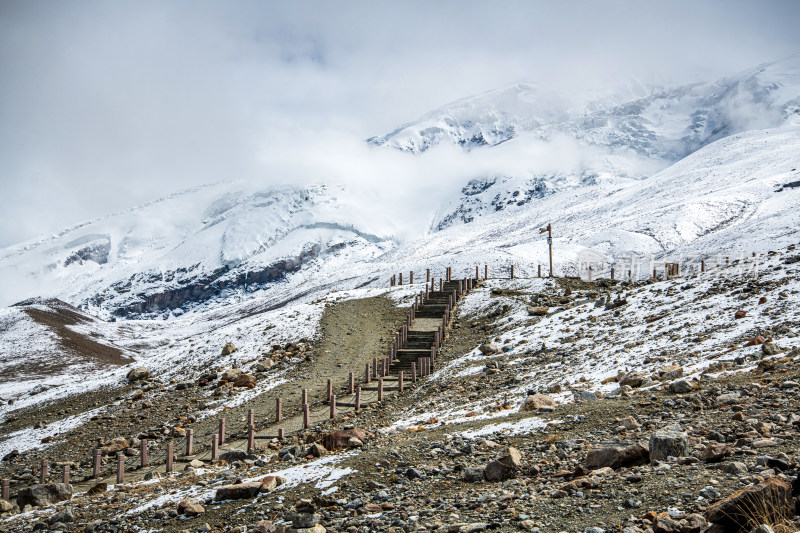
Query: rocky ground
x,y
504,437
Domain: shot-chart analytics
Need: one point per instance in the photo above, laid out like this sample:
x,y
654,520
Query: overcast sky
x,y
105,105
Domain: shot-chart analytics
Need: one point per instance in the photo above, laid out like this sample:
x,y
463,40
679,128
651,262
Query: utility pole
x,y
549,230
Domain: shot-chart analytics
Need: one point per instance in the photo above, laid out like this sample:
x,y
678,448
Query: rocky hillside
x,y
555,405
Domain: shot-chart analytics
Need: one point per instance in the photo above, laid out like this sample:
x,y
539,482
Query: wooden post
x,y
590,272
214,447
703,265
375,366
221,431
485,271
333,406
433,353
366,374
65,475
512,271
401,278
540,271
6,491
411,277
278,409
96,463
43,472
727,261
352,384
427,275
380,389
612,273
654,274
190,442
357,401
251,438
251,417
400,383
413,372
120,468
304,397
280,433
330,389
306,417
143,454
169,457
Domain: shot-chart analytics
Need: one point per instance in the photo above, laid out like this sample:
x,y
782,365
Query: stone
x,y
536,402
190,507
305,520
670,441
117,444
269,483
632,379
44,495
5,506
762,528
99,488
734,467
497,471
265,365
584,396
629,423
64,516
489,348
137,374
769,501
740,314
233,454
680,387
710,493
714,453
666,524
341,439
473,474
538,311
770,348
670,372
616,456
727,399
317,450
245,380
263,526
694,523
238,492
511,458
195,463
228,349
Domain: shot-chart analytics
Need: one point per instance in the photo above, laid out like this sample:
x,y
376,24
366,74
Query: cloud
x,y
104,105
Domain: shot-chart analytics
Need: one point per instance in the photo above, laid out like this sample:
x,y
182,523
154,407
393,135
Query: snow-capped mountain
x,y
703,168
657,122
191,247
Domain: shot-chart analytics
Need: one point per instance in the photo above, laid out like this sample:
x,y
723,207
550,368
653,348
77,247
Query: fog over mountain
x,y
107,106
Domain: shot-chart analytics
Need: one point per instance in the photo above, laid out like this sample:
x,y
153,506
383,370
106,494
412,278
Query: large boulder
x,y
342,439
489,348
228,349
44,495
231,375
670,441
768,502
138,374
632,379
190,507
616,456
117,444
245,380
238,492
232,455
505,466
536,402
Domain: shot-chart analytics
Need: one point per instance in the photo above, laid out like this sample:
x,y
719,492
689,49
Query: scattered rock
x,y
714,453
228,349
238,492
680,387
137,374
616,456
670,441
190,507
770,348
536,402
44,495
489,348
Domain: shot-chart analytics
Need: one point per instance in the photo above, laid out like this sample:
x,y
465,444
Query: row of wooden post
x,y
420,368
